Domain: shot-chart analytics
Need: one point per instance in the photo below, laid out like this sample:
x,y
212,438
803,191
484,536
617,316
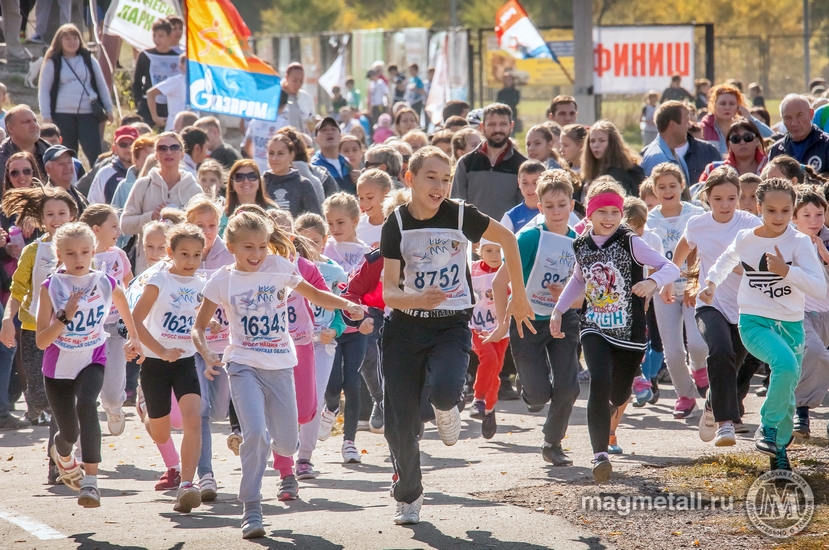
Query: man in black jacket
x,y
805,142
24,135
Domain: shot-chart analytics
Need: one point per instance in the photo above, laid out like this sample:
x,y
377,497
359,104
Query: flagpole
x,y
184,12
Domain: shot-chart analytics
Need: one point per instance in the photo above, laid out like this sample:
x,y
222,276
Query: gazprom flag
x,y
517,35
223,75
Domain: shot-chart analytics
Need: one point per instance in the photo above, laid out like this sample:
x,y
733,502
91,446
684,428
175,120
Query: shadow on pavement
x,y
431,535
86,542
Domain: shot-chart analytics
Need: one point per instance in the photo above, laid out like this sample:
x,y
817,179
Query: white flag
x,y
335,75
439,92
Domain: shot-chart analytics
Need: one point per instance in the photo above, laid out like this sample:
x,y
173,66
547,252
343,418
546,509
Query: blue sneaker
x,y
477,410
765,441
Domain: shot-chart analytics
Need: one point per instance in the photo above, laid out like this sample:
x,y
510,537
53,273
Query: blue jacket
x,y
339,173
815,151
697,157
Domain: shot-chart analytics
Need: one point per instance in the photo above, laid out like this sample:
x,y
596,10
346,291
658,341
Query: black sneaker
x,y
11,422
602,468
781,460
654,390
54,474
376,424
765,440
477,410
489,426
507,393
801,423
535,408
552,453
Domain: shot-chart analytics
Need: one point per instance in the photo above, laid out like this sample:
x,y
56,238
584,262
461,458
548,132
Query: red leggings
x,y
490,363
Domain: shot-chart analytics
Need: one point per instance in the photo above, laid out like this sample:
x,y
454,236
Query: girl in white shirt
x,y
372,188
260,356
780,266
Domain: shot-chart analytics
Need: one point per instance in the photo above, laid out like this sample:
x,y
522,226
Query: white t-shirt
x,y
260,133
378,93
669,231
369,234
711,239
175,90
256,305
767,294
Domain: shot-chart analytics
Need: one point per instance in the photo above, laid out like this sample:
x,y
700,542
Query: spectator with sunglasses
x,y
746,151
165,185
387,159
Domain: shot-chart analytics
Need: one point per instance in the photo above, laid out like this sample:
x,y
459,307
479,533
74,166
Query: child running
x,y
547,367
260,356
372,188
711,234
609,270
426,339
164,316
674,315
72,310
810,217
103,219
780,267
517,217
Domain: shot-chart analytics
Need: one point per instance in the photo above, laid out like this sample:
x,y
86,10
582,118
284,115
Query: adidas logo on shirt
x,y
764,280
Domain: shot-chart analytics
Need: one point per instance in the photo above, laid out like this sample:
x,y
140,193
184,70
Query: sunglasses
x,y
175,148
16,173
736,139
368,165
125,144
239,177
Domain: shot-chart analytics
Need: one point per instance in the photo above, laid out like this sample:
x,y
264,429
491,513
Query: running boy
x,y
426,338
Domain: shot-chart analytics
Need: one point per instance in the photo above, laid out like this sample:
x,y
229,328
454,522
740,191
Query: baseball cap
x,y
126,132
55,151
327,121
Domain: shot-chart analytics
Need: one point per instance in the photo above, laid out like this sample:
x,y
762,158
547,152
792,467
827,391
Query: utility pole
x,y
807,69
583,57
453,13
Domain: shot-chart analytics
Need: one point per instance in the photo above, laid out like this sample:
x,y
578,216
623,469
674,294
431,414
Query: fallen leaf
x,y
676,533
11,457
696,543
615,533
503,473
364,452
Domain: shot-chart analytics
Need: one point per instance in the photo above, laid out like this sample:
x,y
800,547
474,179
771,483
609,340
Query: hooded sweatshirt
x,y
292,192
146,194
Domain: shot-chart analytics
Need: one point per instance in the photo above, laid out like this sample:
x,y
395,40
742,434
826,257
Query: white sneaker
x,y
187,498
116,421
725,436
208,488
449,425
408,514
707,424
326,423
141,405
71,476
350,453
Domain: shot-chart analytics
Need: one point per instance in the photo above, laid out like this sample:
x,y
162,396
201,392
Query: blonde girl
x,y
260,356
103,220
342,213
372,188
72,309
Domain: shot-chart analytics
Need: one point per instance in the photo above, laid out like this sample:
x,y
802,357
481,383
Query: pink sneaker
x,y
701,379
684,407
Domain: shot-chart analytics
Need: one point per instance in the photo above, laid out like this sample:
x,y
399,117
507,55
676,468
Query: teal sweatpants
x,y
780,344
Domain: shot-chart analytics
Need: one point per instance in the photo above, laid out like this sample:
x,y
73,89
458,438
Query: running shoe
x,y
326,423
350,453
305,470
740,428
478,409
707,424
187,498
684,407
252,527
449,425
780,461
489,426
208,488
141,404
363,426
116,421
89,497
288,489
377,421
761,391
602,469
552,453
53,478
170,479
234,440
642,392
725,436
506,392
613,447
71,475
765,440
408,514
701,380
801,427
663,375
11,422
655,391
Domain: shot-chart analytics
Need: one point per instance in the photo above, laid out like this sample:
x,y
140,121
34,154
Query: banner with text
x,y
224,76
630,60
535,71
132,20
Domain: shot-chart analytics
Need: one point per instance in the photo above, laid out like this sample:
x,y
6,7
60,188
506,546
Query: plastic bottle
x,y
16,238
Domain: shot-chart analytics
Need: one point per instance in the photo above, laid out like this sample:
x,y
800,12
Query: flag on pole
x,y
518,36
439,93
335,75
223,75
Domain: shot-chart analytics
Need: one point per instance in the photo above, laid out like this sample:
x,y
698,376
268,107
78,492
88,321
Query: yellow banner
x,y
530,72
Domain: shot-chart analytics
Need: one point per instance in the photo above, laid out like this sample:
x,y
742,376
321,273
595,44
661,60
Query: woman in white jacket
x,y
165,185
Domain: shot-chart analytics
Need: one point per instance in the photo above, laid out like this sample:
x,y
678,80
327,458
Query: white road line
x,y
40,530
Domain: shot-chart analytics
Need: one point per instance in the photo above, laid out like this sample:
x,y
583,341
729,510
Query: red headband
x,y
604,199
